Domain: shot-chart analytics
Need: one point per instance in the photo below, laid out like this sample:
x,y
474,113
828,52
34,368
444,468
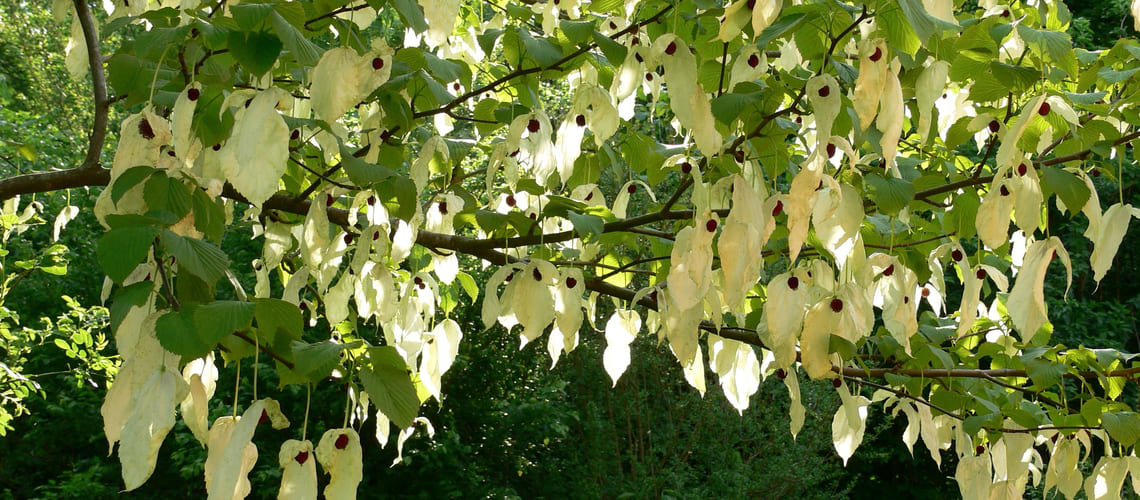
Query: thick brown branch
x,y
53,180
98,85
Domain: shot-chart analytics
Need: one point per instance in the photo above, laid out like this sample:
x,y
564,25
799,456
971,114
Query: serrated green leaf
x,y
163,193
209,215
411,14
189,288
726,108
1015,78
315,362
129,179
890,195
1070,188
490,221
196,256
150,44
360,172
613,51
304,51
899,33
278,315
175,331
127,297
196,329
1045,373
485,112
590,227
121,249
256,51
987,88
1054,44
778,29
1111,76
924,24
250,16
389,383
578,31
1123,426
398,194
960,218
544,52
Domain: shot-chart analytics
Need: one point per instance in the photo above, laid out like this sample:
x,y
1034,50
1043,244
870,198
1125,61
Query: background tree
x,y
809,165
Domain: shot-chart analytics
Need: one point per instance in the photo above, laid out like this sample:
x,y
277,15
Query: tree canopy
x,y
863,193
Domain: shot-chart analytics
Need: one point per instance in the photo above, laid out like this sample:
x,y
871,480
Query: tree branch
x,y
53,180
99,88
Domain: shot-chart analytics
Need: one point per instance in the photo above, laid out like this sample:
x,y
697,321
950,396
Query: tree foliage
x,y
865,193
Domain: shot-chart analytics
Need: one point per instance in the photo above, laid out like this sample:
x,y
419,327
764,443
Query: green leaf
x,y
389,383
411,14
899,33
277,315
1070,188
640,151
890,195
163,193
605,6
1111,76
437,91
489,221
1055,44
121,249
150,219
256,51
398,194
1045,373
590,227
176,333
189,288
1085,99
209,216
196,256
778,28
1015,78
726,108
485,112
961,217
250,16
544,52
315,362
360,172
294,41
195,330
987,88
220,318
469,285
924,24
129,179
127,297
613,51
27,151
488,38
578,31
587,169
1123,426
151,44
